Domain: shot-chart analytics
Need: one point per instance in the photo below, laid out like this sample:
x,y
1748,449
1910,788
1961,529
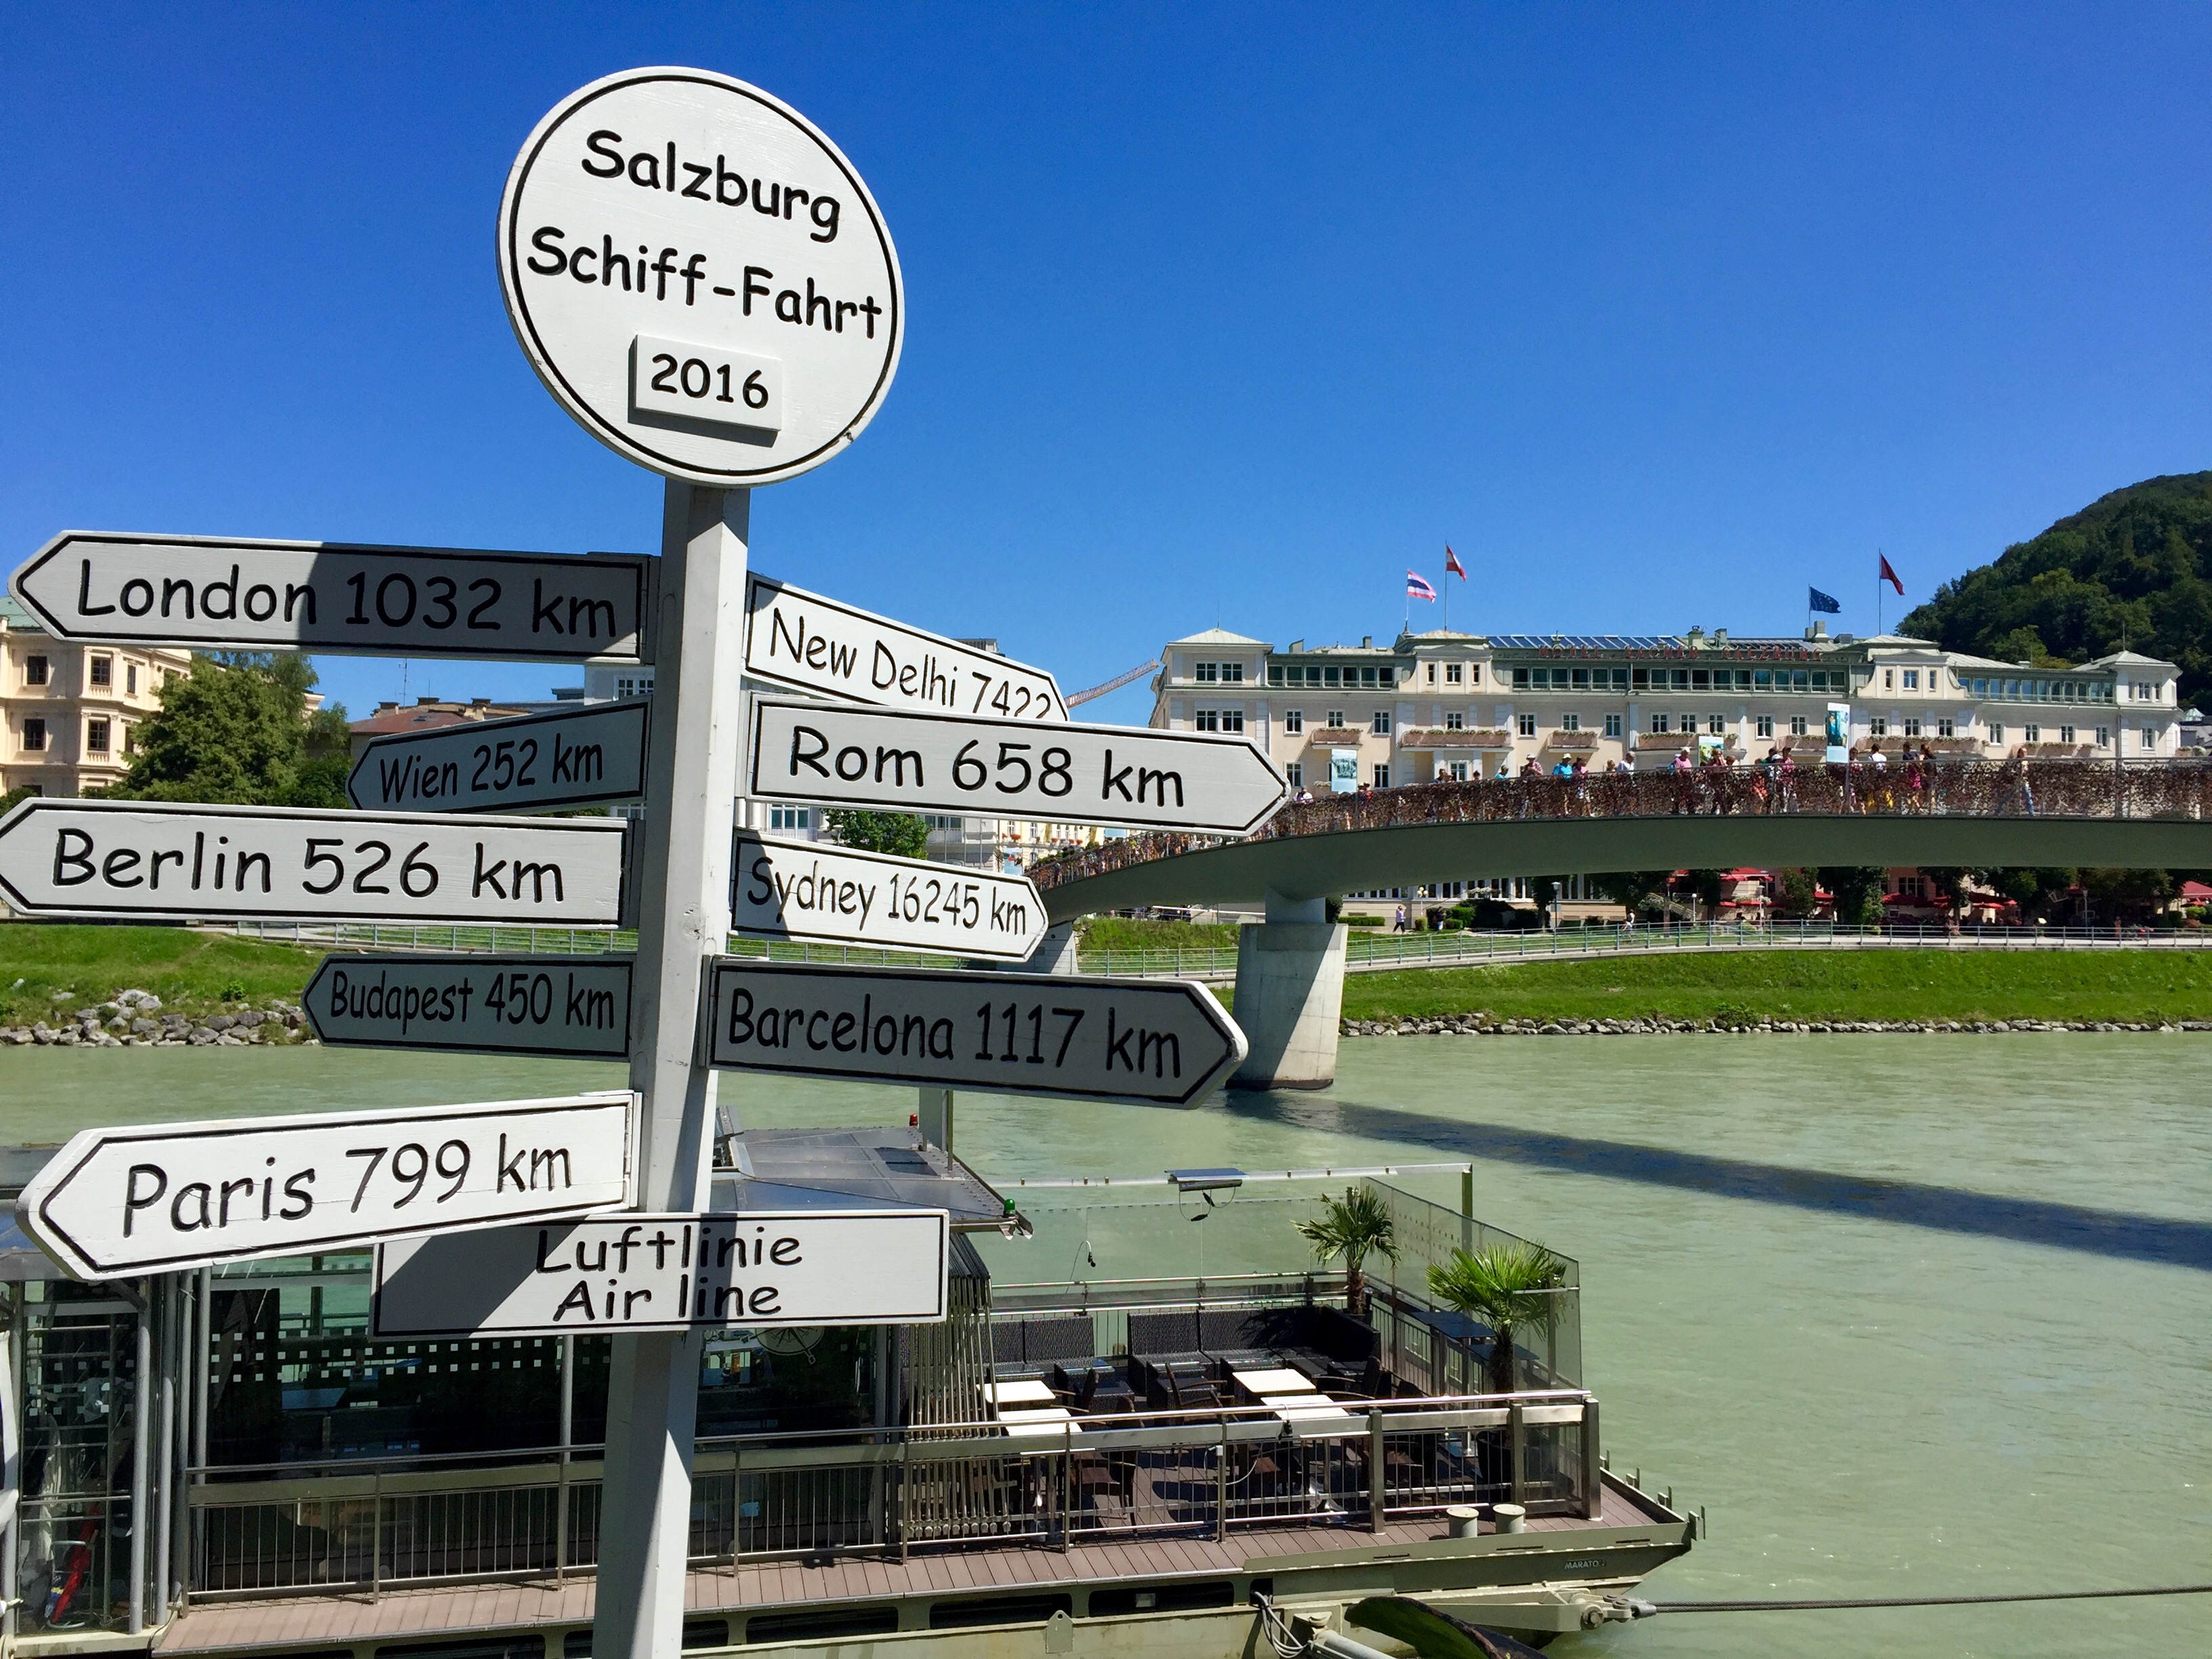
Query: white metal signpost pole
x,y
703,280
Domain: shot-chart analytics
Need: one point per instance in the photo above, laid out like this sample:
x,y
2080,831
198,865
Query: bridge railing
x,y
2013,788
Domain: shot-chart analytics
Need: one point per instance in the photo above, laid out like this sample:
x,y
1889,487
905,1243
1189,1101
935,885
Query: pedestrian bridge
x,y
1289,969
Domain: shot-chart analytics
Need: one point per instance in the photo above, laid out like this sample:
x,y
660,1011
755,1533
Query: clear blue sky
x,y
1222,315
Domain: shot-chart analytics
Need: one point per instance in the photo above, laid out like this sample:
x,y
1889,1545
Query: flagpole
x,y
1877,592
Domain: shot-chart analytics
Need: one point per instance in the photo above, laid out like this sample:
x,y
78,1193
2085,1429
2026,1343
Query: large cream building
x,y
1450,705
67,712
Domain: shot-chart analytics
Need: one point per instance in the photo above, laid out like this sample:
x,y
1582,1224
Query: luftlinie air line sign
x,y
296,595
62,857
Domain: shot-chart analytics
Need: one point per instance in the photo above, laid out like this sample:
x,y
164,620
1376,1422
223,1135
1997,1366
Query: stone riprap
x,y
135,1019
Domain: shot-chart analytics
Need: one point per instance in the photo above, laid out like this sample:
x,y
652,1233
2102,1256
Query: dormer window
x,y
1454,672
1205,673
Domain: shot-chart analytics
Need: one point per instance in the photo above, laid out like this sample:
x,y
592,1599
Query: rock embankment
x,y
1486,1026
135,1019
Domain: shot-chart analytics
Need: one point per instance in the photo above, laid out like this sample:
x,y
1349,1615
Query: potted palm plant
x,y
1356,1227
1508,1287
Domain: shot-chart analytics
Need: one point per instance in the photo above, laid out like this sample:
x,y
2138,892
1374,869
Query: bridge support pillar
x,y
1289,996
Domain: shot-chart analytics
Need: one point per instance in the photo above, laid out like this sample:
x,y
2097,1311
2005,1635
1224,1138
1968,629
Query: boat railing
x,y
373,1524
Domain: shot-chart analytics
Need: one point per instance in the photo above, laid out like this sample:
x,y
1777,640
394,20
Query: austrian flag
x,y
1417,587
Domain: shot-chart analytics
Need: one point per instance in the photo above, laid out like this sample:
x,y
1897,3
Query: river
x,y
1905,1315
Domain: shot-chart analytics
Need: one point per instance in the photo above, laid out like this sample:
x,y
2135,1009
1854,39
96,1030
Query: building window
x,y
1331,676
1689,724
1888,679
34,671
1474,673
2066,734
1520,679
2149,739
95,737
34,736
791,818
1453,673
1912,679
1294,774
1207,720
638,685
1658,725
1274,673
1294,722
1716,726
1432,673
1570,722
1232,719
1527,725
940,821
103,671
1911,728
1877,727
1233,672
1946,728
1997,732
1336,720
1764,727
2031,734
1205,673
1382,774
130,679
2104,737
1380,724
1797,725
1455,721
1612,725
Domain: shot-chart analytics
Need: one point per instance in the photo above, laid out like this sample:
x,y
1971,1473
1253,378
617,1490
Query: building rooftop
x,y
1218,636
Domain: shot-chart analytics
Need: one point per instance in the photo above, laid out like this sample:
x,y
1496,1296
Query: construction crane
x,y
1114,684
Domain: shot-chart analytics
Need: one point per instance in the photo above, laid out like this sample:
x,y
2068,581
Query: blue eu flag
x,y
1816,600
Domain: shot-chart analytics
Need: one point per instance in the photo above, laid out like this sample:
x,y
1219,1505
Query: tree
x,y
1356,1227
1508,1287
1857,889
2128,893
1710,886
902,833
1800,895
236,731
1630,889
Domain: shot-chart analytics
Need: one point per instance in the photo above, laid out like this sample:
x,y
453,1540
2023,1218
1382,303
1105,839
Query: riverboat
x,y
1076,1462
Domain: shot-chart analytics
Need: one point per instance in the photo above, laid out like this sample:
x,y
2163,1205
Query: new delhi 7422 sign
x,y
1066,773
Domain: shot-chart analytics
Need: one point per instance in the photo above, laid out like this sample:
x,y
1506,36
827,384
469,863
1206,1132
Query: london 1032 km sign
x,y
97,858
700,277
1069,774
534,762
297,595
838,895
157,1198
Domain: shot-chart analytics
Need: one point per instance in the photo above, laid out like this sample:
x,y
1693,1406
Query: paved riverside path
x,y
1972,813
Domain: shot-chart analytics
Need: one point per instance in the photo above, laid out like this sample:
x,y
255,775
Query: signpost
x,y
571,757
572,1007
839,896
158,1198
812,644
100,858
1095,1038
216,594
1066,773
666,1272
700,277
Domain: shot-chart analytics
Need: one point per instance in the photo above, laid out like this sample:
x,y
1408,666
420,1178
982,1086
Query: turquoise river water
x,y
1905,1315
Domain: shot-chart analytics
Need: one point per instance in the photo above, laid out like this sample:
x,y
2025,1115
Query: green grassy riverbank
x,y
1747,986
194,973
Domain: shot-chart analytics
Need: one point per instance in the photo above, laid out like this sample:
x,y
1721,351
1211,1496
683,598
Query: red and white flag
x,y
1417,587
1890,576
1452,566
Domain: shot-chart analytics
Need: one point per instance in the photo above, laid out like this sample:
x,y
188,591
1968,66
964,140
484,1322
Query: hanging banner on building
x,y
801,889
157,1198
1839,733
1162,1041
571,1007
213,595
903,762
812,644
700,277
61,857
534,762
666,1272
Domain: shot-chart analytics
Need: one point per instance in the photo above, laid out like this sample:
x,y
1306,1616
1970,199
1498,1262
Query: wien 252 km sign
x,y
1164,1040
571,757
62,857
835,895
159,1197
1068,774
666,1272
573,1007
298,596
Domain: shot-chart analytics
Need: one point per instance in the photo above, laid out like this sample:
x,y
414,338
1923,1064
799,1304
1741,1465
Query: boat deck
x,y
336,1620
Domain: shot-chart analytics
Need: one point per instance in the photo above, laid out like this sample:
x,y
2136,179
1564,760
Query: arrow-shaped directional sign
x,y
155,1198
837,895
294,596
1165,1040
812,644
1065,774
571,757
575,1007
127,857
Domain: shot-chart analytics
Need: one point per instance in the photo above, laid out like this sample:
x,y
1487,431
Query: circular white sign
x,y
700,277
